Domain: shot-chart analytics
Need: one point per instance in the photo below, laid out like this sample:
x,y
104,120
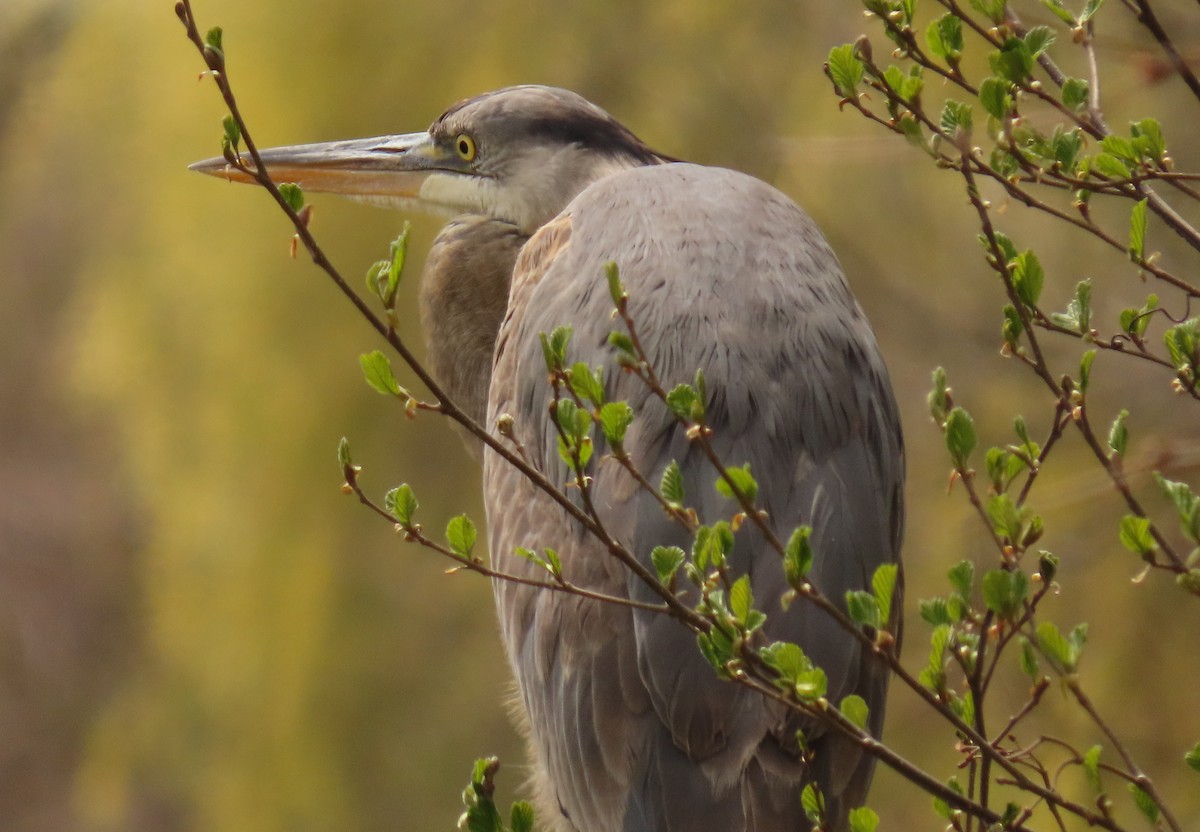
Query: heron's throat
x,y
464,295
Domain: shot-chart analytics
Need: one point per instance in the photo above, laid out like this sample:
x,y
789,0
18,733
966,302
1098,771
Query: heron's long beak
x,y
384,168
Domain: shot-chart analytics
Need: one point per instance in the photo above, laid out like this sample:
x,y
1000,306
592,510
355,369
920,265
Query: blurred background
x,y
199,632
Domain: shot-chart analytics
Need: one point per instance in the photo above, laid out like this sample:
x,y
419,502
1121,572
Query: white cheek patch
x,y
454,192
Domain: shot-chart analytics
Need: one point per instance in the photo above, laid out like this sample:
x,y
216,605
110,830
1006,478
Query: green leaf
x,y
615,419
681,400
1008,248
957,120
575,425
942,807
1187,504
1005,517
741,598
1085,370
1148,137
962,577
933,676
1089,10
1145,803
1078,316
1135,535
1012,327
911,128
616,289
939,396
461,535
482,814
813,803
1038,40
1189,580
907,87
935,611
992,9
1002,466
1047,565
995,97
1091,767
521,817
1136,321
1120,147
1110,166
1064,653
292,195
213,38
401,503
1118,434
383,277
742,479
718,649
845,69
863,609
1004,592
1183,344
1192,758
960,436
667,560
671,485
624,346
863,819
786,659
378,372
587,385
796,673
1012,62
343,452
377,278
712,545
548,561
1137,231
233,133
854,708
945,38
883,584
964,707
1028,277
1029,663
554,347
1065,147
798,555
1005,163
1075,94
1060,11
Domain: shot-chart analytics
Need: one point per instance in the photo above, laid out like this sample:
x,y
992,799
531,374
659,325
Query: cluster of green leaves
x,y
482,814
383,276
581,404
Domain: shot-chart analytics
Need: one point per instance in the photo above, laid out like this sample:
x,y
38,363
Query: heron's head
x,y
519,154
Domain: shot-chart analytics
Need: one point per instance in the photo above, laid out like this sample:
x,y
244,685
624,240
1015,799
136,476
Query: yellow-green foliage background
x,y
199,632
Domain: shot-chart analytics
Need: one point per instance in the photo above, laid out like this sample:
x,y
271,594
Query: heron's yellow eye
x,y
465,146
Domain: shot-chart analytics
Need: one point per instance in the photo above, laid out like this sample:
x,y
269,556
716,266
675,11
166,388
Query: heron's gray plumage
x,y
727,274
630,728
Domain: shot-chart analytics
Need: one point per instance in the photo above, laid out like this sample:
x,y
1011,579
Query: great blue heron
x,y
631,729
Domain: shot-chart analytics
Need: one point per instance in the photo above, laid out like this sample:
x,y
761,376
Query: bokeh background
x,y
199,632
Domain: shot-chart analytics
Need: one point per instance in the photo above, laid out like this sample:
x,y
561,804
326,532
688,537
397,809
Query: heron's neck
x,y
464,295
